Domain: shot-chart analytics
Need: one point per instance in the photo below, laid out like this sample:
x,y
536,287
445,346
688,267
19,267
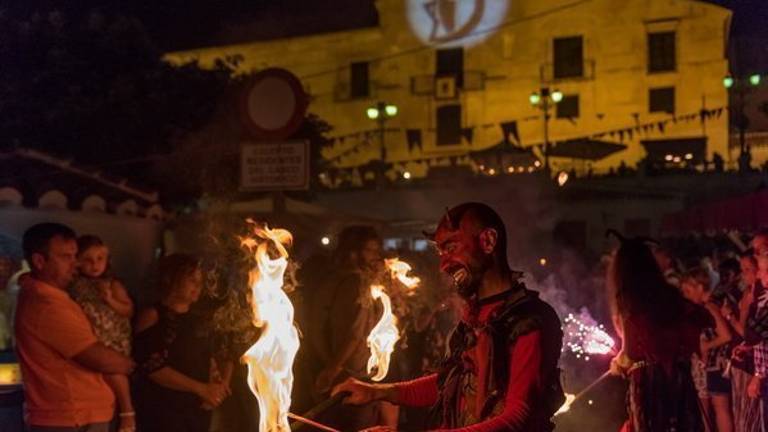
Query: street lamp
x,y
381,112
544,99
741,87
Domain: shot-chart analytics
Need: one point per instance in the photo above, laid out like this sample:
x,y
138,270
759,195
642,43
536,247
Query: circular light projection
x,y
453,23
325,241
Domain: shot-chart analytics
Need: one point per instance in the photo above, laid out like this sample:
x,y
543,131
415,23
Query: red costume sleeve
x,y
421,392
524,386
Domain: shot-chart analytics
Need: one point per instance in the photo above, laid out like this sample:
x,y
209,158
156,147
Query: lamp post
x,y
381,112
544,99
741,86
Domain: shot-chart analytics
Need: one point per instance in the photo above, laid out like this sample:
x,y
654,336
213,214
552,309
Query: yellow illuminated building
x,y
628,70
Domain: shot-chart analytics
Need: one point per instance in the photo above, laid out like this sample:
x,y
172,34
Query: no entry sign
x,y
273,104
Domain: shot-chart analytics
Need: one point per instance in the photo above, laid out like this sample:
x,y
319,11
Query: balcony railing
x,y
424,85
548,73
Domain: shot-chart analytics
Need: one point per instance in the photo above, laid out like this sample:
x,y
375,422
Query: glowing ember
x,y
270,359
583,336
569,398
383,336
399,270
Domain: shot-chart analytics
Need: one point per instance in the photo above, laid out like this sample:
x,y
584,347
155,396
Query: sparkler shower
x,y
583,336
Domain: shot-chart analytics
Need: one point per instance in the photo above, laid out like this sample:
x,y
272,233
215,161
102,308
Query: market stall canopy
x,y
587,149
505,154
692,150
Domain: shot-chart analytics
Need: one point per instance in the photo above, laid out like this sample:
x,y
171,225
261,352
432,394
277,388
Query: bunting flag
x,y
413,136
467,133
510,128
718,112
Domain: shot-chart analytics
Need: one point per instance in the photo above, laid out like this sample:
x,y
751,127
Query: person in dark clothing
x,y
500,373
660,331
343,314
174,389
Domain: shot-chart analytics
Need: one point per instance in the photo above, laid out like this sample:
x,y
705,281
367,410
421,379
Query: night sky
x,y
183,24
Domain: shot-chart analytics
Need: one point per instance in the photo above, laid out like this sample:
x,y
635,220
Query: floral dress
x,y
111,328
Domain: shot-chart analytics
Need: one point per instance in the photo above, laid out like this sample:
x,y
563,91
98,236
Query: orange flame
x,y
569,398
385,334
399,270
270,359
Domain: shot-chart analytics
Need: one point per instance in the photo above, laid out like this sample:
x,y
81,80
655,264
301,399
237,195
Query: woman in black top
x,y
174,351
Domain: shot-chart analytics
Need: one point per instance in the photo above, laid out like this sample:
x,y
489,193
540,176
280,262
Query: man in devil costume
x,y
500,372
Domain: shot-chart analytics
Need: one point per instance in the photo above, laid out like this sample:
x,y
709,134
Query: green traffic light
x,y
755,79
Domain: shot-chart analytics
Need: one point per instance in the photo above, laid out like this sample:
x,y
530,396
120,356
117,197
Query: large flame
x,y
270,359
385,334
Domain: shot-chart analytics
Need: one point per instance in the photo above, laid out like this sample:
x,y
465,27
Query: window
x,y
449,125
359,86
662,100
568,107
569,57
661,52
450,62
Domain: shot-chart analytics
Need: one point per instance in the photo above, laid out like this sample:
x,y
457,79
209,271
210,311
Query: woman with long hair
x,y
660,331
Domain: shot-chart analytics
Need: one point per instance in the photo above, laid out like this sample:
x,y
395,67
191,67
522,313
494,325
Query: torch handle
x,y
319,409
591,386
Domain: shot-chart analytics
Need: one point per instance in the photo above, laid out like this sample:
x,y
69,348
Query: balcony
x,y
579,72
425,85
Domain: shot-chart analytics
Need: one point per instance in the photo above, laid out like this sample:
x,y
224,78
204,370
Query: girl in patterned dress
x,y
109,309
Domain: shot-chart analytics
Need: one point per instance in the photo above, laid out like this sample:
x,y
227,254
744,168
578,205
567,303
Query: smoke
x,y
578,296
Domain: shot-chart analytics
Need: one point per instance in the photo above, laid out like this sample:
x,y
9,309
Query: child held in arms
x,y
109,309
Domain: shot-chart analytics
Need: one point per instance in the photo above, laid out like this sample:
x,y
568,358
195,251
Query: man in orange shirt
x,y
61,360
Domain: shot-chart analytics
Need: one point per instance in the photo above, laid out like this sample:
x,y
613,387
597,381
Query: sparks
x,y
583,336
270,359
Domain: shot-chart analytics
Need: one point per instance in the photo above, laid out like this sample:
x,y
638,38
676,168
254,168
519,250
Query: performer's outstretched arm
x,y
421,392
523,388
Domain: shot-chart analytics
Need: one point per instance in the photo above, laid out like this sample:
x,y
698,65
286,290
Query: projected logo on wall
x,y
455,22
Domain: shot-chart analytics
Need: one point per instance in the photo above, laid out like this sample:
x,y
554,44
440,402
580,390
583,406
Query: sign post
x,y
272,109
275,166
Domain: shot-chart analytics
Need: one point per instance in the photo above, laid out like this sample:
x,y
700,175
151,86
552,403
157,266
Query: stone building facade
x,y
461,73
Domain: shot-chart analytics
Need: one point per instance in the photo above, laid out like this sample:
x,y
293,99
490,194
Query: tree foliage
x,y
91,85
